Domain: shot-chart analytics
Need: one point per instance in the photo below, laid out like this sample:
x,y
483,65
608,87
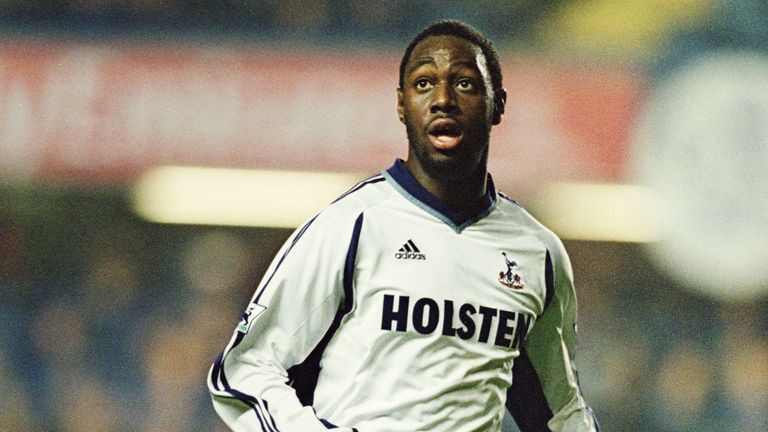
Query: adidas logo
x,y
410,251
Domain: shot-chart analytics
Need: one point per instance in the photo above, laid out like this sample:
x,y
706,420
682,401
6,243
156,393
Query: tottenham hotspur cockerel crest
x,y
509,277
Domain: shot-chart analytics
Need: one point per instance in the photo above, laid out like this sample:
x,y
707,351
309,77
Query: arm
x,y
545,394
291,311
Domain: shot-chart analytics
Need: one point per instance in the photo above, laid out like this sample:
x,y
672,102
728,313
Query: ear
x,y
499,101
400,110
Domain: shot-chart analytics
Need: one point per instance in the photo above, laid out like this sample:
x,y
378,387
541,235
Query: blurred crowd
x,y
656,357
354,20
109,323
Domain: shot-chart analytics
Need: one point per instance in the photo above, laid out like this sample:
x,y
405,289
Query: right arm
x,y
290,313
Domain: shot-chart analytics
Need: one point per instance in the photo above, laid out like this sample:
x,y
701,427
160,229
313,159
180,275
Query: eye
x,y
422,84
465,84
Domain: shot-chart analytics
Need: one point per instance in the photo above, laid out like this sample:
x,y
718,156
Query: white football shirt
x,y
389,312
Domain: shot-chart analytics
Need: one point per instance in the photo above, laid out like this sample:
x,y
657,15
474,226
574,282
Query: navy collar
x,y
399,176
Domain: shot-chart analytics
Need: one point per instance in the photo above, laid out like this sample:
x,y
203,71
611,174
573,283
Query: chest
x,y
484,285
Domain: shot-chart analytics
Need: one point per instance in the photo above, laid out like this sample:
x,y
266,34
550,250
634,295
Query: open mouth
x,y
445,134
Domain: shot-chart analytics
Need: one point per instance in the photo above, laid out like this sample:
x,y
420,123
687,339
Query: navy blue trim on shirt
x,y
303,377
303,229
265,419
329,425
549,280
407,185
525,397
285,254
374,179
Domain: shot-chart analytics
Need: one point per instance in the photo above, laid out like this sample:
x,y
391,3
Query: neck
x,y
456,192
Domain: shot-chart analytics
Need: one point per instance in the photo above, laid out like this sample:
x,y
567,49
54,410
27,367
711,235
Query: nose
x,y
443,99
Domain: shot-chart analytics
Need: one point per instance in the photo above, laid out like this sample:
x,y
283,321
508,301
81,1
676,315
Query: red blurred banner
x,y
103,113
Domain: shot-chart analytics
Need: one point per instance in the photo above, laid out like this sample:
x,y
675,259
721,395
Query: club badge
x,y
510,278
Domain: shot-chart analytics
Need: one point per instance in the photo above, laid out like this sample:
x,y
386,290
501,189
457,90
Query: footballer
x,y
423,299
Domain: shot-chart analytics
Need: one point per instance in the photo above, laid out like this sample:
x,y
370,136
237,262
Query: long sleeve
x,y
545,393
294,308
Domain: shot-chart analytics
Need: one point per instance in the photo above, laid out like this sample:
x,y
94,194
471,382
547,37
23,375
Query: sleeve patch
x,y
249,316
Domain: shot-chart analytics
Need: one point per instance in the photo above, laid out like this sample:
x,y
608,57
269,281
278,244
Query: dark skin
x,y
448,107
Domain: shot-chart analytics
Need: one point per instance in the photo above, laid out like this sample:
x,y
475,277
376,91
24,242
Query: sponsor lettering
x,y
427,316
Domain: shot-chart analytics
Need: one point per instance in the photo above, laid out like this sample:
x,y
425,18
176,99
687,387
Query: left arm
x,y
545,392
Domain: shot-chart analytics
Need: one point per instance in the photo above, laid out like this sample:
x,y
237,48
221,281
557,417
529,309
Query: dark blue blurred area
x,y
296,20
109,322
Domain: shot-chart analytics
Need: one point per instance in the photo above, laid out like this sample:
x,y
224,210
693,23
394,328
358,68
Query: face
x,y
446,104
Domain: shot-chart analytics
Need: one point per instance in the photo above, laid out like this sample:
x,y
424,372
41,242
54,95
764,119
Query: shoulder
x,y
328,233
351,204
363,194
514,210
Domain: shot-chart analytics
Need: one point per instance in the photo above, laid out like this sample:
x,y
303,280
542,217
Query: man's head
x,y
464,31
450,96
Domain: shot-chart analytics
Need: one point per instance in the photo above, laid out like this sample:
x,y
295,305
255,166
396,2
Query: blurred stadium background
x,y
637,130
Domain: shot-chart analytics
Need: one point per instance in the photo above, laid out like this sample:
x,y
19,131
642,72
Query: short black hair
x,y
465,31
